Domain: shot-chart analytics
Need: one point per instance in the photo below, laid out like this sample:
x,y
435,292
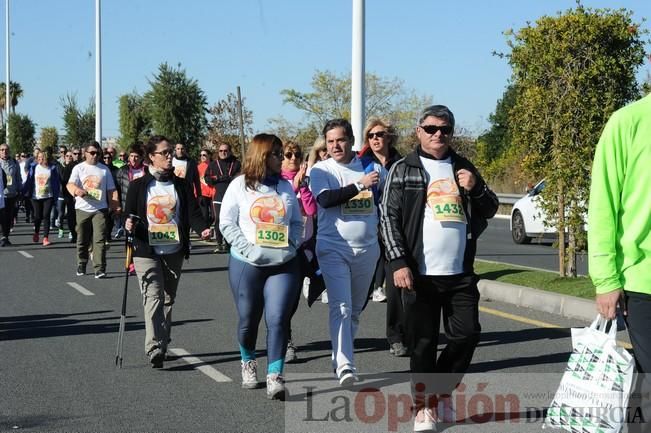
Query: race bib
x,y
43,190
271,235
94,193
447,208
10,180
163,234
136,174
361,204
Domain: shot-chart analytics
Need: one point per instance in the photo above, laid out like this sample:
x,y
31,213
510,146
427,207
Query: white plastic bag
x,y
593,393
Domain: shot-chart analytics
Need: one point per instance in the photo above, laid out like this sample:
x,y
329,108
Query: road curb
x,y
539,300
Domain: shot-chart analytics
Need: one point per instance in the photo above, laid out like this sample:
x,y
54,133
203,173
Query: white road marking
x,y
502,217
25,254
212,373
81,289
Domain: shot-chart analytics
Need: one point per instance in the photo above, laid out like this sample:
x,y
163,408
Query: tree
x,y
15,91
134,119
571,72
21,133
304,135
79,125
49,137
176,107
386,98
224,124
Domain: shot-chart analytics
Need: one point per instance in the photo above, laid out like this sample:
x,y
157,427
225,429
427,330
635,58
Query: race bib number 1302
x,y
271,235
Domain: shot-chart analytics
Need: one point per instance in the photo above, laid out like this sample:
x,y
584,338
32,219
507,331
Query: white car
x,y
528,218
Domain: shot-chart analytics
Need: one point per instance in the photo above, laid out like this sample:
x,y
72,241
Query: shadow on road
x,y
59,325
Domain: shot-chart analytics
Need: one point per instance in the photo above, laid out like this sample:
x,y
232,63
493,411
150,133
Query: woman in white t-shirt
x,y
42,187
261,219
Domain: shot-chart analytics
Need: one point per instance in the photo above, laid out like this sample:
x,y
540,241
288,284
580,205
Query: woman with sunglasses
x,y
207,191
166,210
261,219
295,171
379,144
42,187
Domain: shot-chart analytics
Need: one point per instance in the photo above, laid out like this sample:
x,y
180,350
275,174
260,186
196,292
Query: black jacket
x,y
403,205
190,216
220,173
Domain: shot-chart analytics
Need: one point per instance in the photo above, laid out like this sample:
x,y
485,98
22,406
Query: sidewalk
x,y
540,300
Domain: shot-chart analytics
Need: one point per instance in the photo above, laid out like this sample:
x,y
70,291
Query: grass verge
x,y
550,281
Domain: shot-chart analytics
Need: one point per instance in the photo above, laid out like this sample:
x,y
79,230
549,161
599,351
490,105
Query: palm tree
x,y
16,92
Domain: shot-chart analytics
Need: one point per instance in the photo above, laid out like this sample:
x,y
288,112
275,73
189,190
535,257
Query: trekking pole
x,y
123,314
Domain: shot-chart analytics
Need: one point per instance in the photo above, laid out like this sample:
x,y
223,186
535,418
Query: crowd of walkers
x,y
361,225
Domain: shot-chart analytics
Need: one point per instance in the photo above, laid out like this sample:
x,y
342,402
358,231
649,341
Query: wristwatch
x,y
360,186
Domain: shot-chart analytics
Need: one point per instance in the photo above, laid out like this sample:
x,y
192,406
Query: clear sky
x,y
438,48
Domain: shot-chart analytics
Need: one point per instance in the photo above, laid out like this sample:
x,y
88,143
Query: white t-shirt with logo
x,y
163,210
180,167
444,221
42,184
353,223
97,181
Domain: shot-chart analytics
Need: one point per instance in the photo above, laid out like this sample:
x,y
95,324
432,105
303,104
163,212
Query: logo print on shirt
x,y
161,209
441,187
268,209
91,182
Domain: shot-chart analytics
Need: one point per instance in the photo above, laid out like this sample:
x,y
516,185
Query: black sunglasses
x,y
92,152
204,154
165,153
379,134
289,155
75,153
223,150
433,129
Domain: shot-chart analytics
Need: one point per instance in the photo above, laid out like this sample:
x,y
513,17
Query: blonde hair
x,y
255,161
391,135
319,144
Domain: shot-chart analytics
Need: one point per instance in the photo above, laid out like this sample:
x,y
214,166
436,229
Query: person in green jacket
x,y
619,225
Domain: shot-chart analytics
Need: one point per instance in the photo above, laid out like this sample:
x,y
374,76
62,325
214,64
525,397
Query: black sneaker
x,y
5,242
156,357
100,274
81,269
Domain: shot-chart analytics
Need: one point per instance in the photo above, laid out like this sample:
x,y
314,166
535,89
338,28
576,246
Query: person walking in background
x,y
11,191
261,219
24,164
132,170
69,200
207,191
113,219
166,209
619,239
319,152
379,144
219,175
346,189
295,171
91,183
434,208
61,199
42,187
186,168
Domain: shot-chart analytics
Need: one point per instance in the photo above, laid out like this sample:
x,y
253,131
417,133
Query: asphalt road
x,y
496,244
57,349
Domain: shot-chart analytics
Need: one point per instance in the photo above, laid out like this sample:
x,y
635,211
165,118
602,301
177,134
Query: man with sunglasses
x,y
434,207
92,186
219,175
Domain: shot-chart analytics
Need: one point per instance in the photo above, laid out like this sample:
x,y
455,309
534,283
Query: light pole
x,y
7,73
357,115
98,73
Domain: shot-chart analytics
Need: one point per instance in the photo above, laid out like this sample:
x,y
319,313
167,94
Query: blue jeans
x,y
272,289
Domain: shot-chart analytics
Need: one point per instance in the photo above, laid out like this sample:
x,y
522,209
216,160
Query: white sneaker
x,y
306,287
276,387
424,420
379,295
250,374
324,297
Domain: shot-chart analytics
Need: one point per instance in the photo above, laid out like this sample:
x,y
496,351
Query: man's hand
x,y
370,179
467,180
206,234
607,304
403,279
